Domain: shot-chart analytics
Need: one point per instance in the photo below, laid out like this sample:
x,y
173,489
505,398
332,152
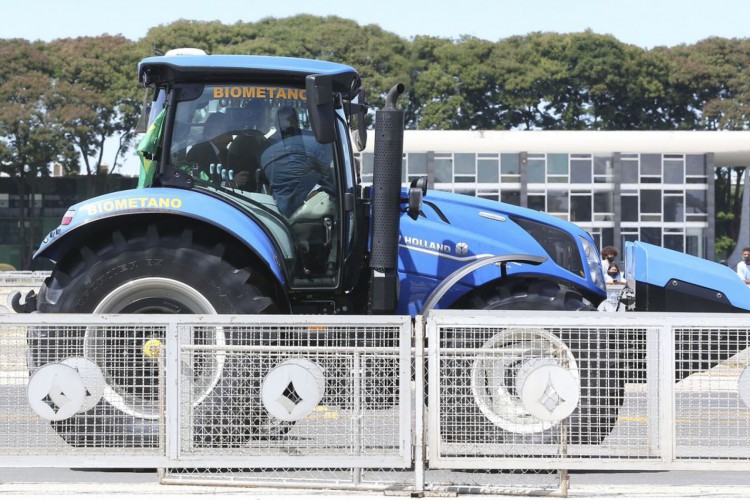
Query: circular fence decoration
x,y
56,392
293,389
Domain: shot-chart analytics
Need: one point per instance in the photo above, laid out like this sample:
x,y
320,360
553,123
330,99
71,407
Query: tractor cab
x,y
251,137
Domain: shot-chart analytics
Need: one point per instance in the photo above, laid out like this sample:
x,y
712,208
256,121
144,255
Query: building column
x,y
617,203
430,170
743,238
523,161
711,206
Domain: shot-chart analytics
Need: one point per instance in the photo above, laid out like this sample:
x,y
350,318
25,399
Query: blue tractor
x,y
250,202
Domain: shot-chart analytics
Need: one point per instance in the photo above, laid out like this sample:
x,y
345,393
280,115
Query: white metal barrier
x,y
340,401
234,393
622,391
21,281
23,278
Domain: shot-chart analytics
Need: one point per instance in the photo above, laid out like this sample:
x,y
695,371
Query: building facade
x,y
656,187
47,201
620,186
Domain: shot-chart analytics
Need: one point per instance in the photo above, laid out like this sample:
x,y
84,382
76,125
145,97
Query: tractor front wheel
x,y
157,268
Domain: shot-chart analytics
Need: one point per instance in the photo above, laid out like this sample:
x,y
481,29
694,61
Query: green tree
x,y
378,55
454,84
29,140
712,79
95,78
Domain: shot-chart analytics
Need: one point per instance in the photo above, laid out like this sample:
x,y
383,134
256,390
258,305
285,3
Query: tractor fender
x,y
445,285
179,202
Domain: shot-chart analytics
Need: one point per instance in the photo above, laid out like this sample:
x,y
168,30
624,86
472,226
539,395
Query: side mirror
x,y
420,183
415,203
320,106
417,191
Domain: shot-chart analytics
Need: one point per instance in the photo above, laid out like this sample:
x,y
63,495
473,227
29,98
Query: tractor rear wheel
x,y
156,268
488,404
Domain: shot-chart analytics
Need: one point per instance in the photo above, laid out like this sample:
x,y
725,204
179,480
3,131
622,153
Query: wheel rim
x,y
132,376
497,375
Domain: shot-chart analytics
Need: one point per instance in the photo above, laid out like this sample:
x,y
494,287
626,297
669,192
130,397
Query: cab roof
x,y
237,68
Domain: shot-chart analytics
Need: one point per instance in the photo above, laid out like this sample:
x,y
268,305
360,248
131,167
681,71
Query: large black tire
x,y
156,267
598,364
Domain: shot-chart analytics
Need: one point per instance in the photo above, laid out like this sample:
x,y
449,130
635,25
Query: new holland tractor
x,y
250,202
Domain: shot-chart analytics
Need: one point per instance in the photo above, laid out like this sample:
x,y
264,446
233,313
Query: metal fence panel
x,y
297,392
18,281
340,401
711,403
76,392
116,391
572,390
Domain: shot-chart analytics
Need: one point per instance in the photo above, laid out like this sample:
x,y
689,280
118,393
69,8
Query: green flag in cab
x,y
147,150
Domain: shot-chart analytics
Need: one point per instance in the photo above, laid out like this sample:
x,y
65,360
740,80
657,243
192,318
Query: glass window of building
x,y
557,202
650,201
651,235
695,169
537,202
629,208
651,169
695,205
510,167
535,169
465,163
695,241
581,169
674,240
629,169
488,169
580,208
417,164
443,169
512,196
603,170
557,168
674,208
366,164
674,169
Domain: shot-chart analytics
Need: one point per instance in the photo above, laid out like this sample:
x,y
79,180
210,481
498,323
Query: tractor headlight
x,y
595,265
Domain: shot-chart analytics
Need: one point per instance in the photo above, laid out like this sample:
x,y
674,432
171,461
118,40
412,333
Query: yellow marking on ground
x,y
326,414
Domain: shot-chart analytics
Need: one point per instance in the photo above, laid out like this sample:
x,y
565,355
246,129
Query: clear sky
x,y
646,23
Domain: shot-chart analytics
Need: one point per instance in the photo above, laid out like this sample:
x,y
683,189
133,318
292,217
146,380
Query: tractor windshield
x,y
255,142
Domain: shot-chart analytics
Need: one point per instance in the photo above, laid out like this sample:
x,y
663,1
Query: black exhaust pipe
x,y
386,204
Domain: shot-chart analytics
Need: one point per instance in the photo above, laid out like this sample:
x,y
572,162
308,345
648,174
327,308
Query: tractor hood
x,y
454,230
666,280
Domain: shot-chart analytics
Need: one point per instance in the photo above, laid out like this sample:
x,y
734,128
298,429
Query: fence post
x,y
419,402
666,392
172,386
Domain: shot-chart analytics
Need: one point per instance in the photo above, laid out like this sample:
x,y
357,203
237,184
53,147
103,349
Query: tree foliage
x,y
29,139
97,78
63,101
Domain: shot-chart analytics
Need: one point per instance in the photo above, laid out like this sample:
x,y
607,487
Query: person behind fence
x,y
609,254
613,276
743,269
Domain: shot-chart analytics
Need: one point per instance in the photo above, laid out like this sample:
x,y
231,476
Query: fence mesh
x,y
334,403
712,393
545,392
87,387
294,391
